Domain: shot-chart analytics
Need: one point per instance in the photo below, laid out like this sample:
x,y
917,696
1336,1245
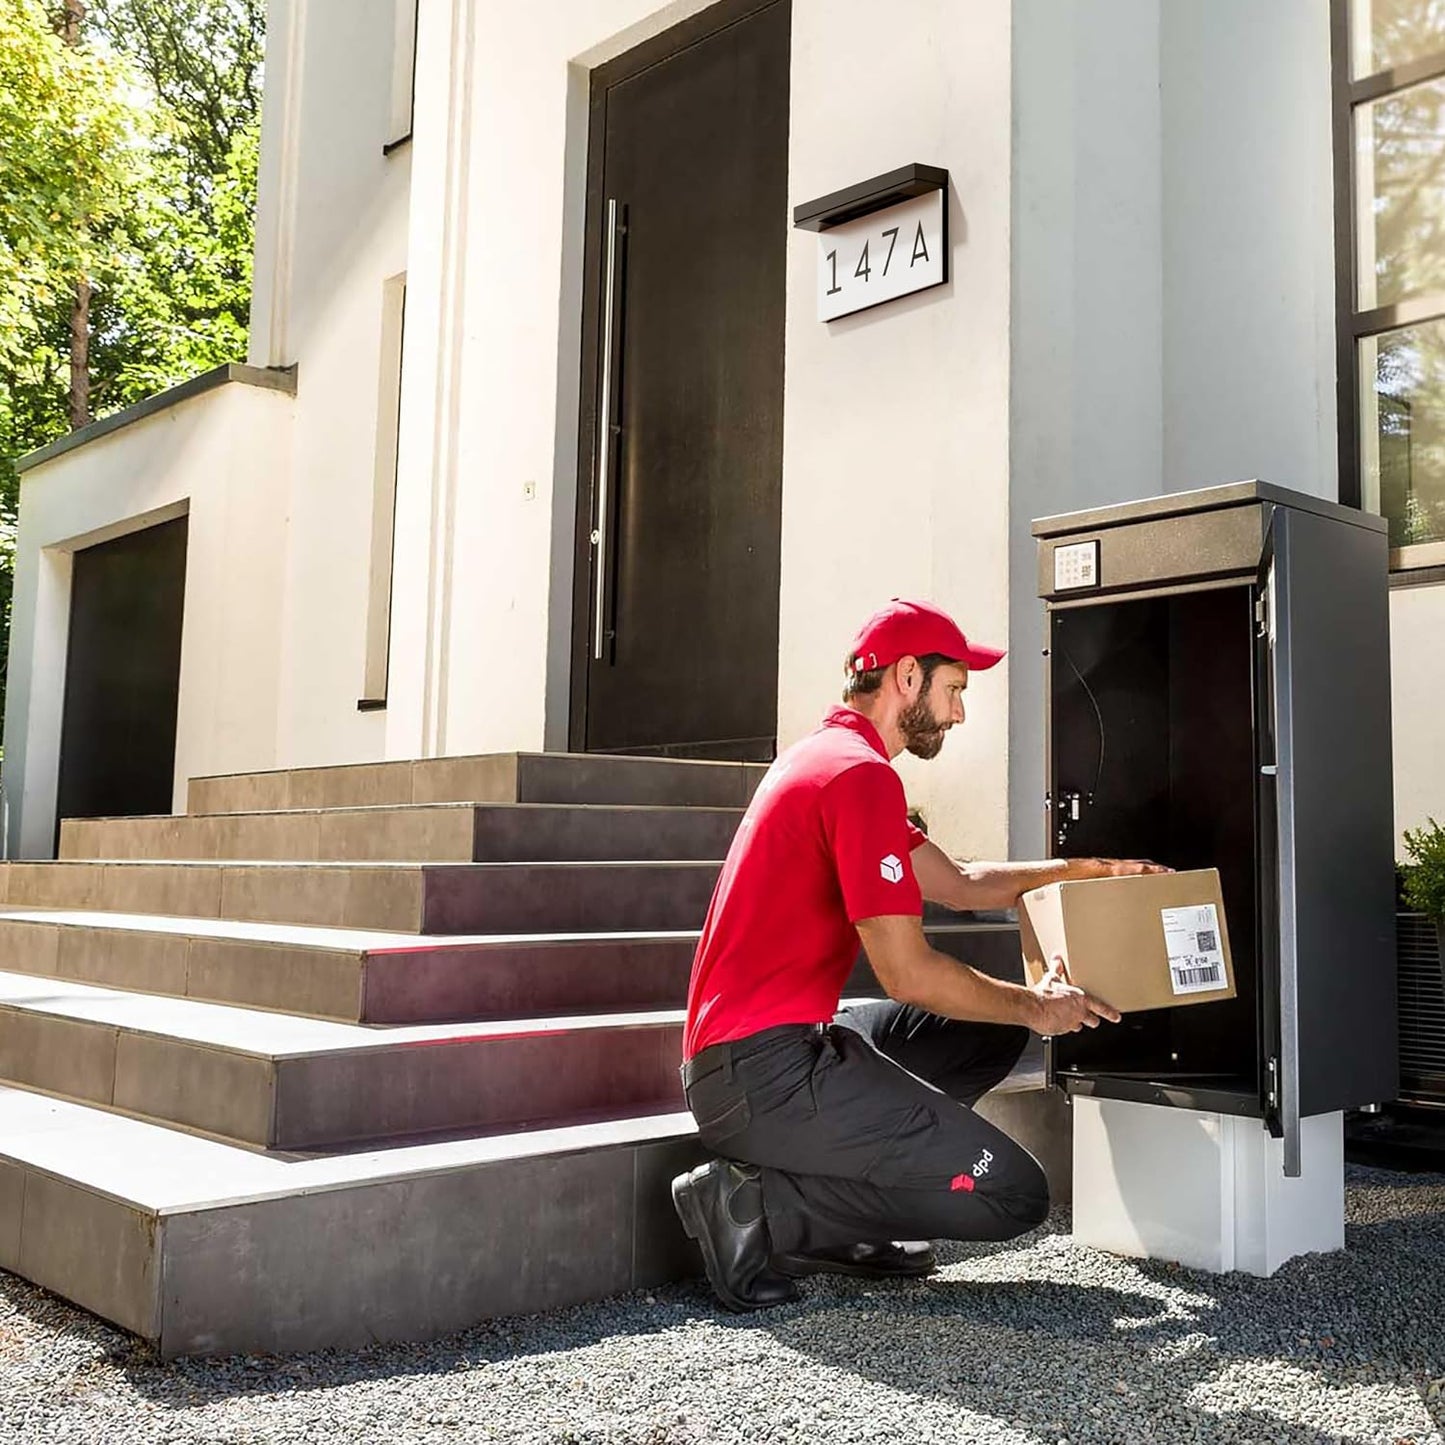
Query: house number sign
x,y
882,256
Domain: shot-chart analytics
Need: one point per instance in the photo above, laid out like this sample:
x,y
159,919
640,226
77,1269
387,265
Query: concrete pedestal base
x,y
1204,1190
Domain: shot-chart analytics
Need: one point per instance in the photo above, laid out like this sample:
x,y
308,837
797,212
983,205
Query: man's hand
x,y
1115,867
1063,1009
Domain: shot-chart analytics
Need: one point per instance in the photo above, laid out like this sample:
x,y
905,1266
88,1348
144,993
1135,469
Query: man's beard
x,y
922,731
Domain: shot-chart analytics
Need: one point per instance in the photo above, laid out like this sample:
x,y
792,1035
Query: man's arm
x,y
998,885
913,972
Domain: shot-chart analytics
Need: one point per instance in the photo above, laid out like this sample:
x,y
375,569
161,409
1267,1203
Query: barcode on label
x,y
1206,942
1193,977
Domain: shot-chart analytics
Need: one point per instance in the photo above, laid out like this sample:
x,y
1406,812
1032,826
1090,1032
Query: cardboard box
x,y
1156,940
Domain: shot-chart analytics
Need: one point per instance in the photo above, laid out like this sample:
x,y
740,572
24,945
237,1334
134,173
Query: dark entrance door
x,y
676,609
122,675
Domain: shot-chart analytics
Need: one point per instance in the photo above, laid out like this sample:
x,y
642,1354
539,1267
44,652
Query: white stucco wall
x,y
895,452
1248,245
331,229
1173,283
222,457
1086,400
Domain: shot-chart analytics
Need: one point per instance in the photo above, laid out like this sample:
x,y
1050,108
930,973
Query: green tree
x,y
73,152
203,60
127,160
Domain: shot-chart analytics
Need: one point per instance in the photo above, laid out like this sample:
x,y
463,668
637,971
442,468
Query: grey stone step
x,y
205,1248
485,778
279,1082
396,897
415,833
359,976
354,976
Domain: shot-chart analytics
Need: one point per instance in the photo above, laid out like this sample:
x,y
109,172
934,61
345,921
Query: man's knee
x,y
1021,1196
1028,1206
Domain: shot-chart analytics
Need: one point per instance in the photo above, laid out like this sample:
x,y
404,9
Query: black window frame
x,y
1353,325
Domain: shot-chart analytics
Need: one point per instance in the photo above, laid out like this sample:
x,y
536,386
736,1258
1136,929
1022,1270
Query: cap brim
x,y
979,658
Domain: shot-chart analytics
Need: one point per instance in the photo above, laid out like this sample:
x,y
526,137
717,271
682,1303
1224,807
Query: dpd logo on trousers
x,y
969,1182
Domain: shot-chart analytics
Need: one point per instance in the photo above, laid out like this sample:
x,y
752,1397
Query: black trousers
x,y
865,1128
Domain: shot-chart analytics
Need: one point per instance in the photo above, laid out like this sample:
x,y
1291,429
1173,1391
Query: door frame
x,y
717,17
65,758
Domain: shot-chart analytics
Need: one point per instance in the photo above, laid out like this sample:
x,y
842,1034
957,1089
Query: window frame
x,y
1351,324
405,19
385,467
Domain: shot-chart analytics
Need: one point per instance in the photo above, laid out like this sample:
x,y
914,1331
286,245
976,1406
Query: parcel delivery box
x,y
1154,940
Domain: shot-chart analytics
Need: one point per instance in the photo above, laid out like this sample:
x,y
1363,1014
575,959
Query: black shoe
x,y
735,1250
909,1260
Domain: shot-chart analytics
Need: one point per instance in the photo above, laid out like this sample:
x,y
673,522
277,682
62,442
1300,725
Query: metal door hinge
x,y
1272,1097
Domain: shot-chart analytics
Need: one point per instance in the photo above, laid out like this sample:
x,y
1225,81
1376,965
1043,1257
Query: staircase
x,y
364,1053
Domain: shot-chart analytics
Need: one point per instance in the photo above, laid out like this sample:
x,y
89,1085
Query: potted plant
x,y
1424,875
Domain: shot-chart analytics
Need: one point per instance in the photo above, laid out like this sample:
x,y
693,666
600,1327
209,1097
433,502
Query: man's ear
x,y
909,673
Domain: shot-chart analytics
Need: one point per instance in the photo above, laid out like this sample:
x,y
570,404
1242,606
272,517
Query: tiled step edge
x,y
401,897
494,777
349,975
280,1082
412,833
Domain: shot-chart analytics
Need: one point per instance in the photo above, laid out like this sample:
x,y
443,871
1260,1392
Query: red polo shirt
x,y
825,842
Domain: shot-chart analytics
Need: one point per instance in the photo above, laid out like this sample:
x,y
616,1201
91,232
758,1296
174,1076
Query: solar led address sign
x,y
882,256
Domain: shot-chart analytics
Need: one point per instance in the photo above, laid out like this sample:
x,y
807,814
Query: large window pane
x,y
1388,32
1400,195
1402,412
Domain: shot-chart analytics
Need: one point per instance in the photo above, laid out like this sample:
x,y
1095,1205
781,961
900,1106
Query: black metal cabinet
x,y
1218,695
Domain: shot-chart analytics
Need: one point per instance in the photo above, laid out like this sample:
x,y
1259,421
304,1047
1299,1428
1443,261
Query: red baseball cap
x,y
914,629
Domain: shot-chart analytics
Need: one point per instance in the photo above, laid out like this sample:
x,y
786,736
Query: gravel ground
x,y
1033,1341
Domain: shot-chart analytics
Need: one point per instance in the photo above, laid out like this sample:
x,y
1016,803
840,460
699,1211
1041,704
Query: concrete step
x,y
486,778
395,897
205,1248
360,976
415,833
355,976
278,1082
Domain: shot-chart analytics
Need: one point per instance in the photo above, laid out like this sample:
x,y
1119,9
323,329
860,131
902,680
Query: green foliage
x,y
176,301
1425,873
129,160
72,155
203,61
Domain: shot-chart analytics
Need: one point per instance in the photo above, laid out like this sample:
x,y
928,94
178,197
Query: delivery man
x,y
839,1132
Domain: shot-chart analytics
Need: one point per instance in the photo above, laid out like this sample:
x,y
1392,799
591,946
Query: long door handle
x,y
606,428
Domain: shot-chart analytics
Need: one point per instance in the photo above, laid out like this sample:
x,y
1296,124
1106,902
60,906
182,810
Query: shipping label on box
x,y
1156,940
1191,939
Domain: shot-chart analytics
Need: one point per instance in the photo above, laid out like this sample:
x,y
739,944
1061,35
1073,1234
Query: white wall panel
x,y
222,458
895,453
